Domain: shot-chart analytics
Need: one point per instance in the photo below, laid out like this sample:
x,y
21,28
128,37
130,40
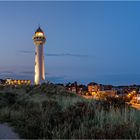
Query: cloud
x,y
56,54
6,72
23,51
27,72
66,54
15,76
56,79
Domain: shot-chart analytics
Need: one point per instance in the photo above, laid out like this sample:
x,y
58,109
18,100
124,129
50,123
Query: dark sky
x,y
86,41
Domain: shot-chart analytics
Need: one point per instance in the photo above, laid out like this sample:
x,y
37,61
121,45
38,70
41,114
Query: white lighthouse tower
x,y
39,40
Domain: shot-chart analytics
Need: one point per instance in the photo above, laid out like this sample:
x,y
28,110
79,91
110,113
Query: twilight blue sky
x,y
86,41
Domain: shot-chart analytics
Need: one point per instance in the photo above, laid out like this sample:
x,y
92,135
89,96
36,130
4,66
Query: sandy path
x,y
6,132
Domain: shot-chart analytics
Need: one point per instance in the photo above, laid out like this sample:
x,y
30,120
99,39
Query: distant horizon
x,y
57,80
94,41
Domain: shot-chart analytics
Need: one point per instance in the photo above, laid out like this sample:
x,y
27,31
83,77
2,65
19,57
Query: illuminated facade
x,y
93,87
17,82
39,40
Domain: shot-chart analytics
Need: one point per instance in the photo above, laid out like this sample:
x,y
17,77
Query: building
x,y
138,98
2,82
93,87
39,41
17,82
81,89
99,90
107,93
74,87
135,97
106,87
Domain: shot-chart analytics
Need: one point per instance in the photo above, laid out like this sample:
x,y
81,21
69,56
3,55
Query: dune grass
x,y
49,111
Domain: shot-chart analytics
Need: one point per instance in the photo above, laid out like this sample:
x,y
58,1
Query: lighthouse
x,y
39,41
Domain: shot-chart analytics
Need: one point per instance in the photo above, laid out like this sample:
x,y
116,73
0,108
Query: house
x,y
93,87
71,87
74,87
2,82
107,93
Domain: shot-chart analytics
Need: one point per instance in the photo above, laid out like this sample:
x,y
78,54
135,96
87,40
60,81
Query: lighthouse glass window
x,y
39,34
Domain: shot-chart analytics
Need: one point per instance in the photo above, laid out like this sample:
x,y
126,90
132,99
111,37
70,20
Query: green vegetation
x,y
49,111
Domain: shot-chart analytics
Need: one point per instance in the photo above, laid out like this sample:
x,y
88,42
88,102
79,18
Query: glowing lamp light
x,y
39,34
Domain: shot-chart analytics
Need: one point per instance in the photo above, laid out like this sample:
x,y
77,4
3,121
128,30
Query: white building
x,y
39,40
138,98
